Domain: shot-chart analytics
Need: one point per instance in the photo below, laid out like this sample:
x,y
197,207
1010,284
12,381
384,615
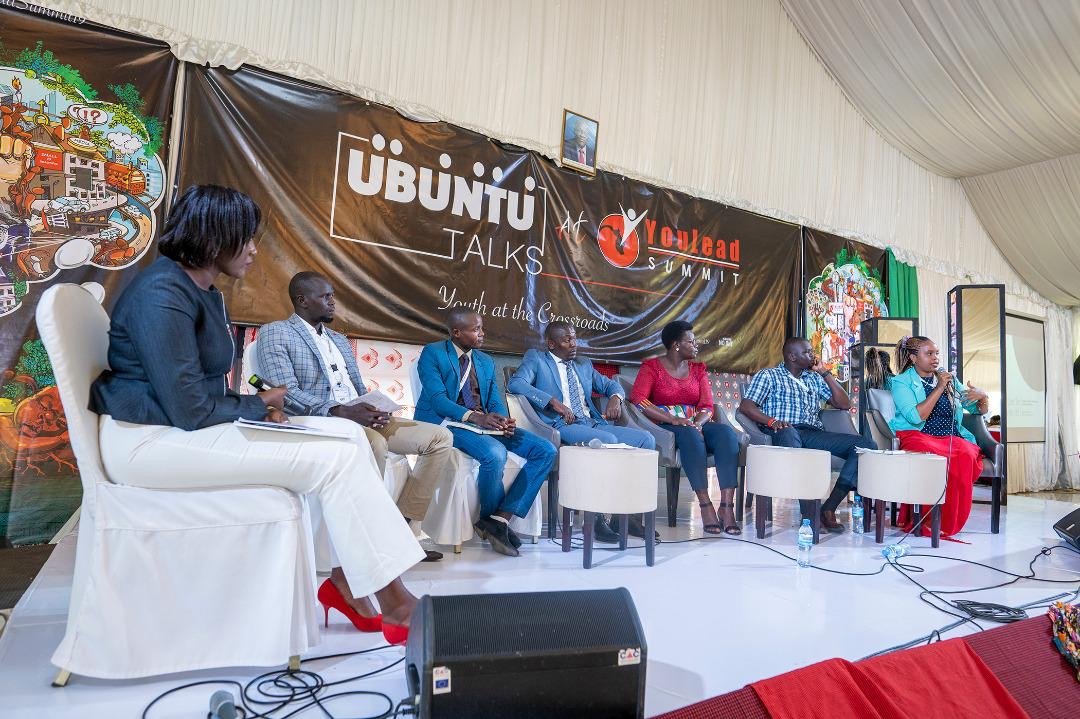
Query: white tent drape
x,y
724,100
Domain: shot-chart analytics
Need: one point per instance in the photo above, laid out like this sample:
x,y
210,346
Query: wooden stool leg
x,y
749,504
740,489
566,529
879,520
866,509
624,529
892,514
995,505
61,679
650,538
759,517
553,503
673,476
815,518
587,532
457,549
935,526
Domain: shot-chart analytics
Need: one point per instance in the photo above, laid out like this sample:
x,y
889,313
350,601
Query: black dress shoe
x,y
603,532
514,538
430,555
496,534
635,528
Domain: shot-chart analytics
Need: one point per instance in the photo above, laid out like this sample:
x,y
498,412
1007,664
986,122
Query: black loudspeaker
x,y
1068,528
534,655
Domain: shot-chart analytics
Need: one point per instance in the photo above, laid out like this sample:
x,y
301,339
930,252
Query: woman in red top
x,y
674,392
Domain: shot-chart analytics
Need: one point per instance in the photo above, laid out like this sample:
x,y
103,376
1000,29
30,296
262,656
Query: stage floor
x,y
717,614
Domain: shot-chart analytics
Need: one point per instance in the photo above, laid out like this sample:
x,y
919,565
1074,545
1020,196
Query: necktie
x,y
574,386
467,397
581,155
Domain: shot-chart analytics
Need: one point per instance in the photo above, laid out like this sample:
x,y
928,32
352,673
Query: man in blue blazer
x,y
560,385
458,385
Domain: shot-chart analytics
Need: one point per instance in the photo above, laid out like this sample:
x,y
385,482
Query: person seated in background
x,y
458,385
560,385
785,402
995,421
930,406
317,367
167,413
674,392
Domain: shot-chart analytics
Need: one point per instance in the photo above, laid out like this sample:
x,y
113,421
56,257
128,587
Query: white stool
x,y
909,477
615,481
788,472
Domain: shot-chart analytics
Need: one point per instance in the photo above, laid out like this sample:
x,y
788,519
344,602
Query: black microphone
x,y
290,404
223,705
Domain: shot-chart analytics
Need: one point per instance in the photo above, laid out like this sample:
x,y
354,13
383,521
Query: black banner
x,y
409,218
85,121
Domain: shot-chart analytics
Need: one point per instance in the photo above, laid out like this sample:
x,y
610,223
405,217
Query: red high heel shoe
x,y
395,634
329,597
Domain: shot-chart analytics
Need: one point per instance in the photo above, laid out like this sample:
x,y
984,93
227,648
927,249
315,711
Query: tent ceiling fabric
x,y
987,90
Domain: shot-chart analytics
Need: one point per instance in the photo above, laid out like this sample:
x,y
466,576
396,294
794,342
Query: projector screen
x,y
1025,379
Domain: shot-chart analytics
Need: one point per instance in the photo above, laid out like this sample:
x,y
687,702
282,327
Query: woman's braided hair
x,y
906,349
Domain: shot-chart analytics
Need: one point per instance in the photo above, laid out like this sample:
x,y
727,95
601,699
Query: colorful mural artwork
x,y
846,292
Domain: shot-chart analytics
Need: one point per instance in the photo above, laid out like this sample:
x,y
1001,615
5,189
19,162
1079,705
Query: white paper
x,y
377,399
470,427
295,429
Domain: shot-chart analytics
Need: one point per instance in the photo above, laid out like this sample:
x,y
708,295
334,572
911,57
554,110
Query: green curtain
x,y
903,290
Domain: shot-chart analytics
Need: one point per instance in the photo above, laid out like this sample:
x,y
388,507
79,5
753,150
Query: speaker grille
x,y
500,624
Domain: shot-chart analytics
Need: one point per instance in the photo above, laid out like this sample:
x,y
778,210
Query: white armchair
x,y
222,577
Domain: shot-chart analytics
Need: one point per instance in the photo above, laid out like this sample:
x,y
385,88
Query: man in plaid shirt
x,y
785,402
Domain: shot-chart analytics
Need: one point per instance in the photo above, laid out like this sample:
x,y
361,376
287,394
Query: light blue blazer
x,y
908,391
537,379
440,377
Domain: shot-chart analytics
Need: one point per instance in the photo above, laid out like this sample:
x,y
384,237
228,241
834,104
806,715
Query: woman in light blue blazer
x,y
930,404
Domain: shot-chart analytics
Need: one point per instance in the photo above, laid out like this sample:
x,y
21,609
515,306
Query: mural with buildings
x,y
79,177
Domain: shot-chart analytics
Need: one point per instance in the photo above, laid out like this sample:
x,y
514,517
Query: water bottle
x,y
893,552
805,543
857,515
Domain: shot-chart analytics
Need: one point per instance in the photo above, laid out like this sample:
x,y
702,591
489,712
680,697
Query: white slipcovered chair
x,y
459,498
170,580
793,473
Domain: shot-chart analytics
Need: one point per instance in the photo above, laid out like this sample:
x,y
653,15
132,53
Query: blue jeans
x,y
490,451
714,437
581,433
837,443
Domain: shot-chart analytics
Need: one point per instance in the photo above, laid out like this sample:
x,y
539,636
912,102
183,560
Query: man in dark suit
x,y
318,368
458,385
577,148
560,385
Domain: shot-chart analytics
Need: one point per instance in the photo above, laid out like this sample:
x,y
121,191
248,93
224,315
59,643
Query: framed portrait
x,y
579,142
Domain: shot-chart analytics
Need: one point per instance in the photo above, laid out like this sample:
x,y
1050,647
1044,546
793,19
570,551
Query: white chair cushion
x,y
788,472
619,481
908,477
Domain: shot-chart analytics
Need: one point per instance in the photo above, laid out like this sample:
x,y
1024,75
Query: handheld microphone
x,y
223,705
290,404
593,443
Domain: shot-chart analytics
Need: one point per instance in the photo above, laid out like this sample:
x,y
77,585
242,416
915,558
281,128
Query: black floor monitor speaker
x,y
535,655
1068,528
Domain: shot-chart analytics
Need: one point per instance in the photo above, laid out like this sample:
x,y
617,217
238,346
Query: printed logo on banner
x,y
505,206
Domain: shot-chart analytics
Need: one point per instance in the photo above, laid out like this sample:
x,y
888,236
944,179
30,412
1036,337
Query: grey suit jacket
x,y
288,356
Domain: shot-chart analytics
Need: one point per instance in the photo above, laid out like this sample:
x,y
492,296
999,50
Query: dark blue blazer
x,y
170,350
440,376
537,379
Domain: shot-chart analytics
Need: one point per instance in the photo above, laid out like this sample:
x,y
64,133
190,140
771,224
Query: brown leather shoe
x,y
829,523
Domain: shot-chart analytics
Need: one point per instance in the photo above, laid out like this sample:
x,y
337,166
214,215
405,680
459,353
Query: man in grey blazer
x,y
560,385
317,367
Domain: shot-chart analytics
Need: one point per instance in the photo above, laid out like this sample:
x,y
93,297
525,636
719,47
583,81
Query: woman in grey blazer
x,y
168,412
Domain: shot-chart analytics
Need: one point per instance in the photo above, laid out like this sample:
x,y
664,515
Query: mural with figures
x,y
846,292
79,177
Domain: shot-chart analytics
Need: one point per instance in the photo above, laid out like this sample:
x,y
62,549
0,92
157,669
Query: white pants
x,y
372,540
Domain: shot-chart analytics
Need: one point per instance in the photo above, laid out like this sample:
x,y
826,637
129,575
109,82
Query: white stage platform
x,y
717,614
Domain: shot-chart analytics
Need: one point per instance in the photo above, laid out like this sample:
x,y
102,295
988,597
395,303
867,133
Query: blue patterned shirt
x,y
787,398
